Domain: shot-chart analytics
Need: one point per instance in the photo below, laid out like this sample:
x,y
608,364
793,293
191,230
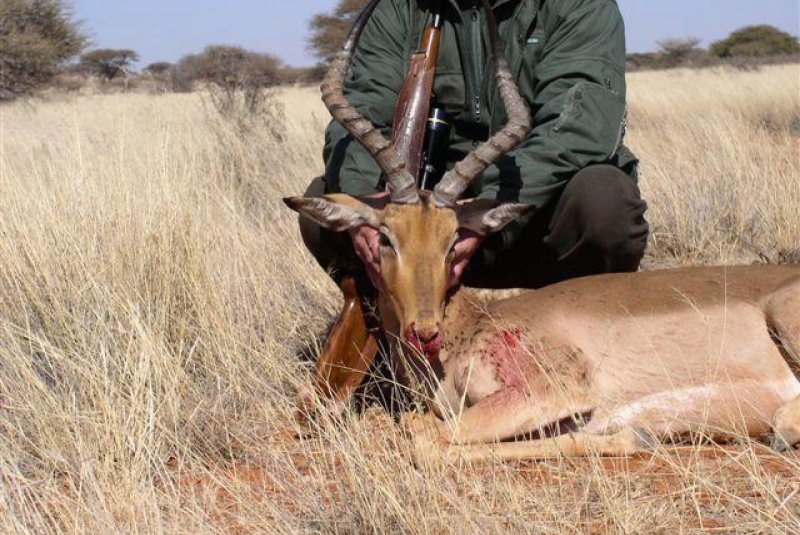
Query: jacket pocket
x,y
591,123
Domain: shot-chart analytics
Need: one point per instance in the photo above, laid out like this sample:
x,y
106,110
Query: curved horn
x,y
455,181
402,186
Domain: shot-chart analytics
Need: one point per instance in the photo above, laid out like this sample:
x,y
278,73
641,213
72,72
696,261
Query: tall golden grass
x,y
154,293
720,162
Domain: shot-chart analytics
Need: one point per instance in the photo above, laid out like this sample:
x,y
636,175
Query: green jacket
x,y
569,61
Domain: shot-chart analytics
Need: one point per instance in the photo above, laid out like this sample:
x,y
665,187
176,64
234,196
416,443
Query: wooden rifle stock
x,y
414,99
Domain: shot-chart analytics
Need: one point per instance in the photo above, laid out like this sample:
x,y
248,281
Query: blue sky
x,y
165,30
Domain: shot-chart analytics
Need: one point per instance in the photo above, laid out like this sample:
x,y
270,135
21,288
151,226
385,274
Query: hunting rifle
x,y
414,99
351,346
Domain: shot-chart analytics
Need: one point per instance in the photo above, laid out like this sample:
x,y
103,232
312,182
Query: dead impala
x,y
608,363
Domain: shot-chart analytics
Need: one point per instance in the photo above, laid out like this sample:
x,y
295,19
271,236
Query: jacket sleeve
x,y
377,74
578,106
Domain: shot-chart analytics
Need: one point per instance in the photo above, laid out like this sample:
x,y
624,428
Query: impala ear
x,y
337,212
485,216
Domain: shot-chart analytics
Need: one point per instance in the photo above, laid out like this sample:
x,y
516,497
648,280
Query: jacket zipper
x,y
477,62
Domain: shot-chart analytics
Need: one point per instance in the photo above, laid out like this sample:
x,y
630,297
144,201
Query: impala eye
x,y
384,241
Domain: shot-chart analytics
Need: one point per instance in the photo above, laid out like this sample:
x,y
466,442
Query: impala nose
x,y
427,340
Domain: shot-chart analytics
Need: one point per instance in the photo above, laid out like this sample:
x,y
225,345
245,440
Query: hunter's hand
x,y
467,243
366,241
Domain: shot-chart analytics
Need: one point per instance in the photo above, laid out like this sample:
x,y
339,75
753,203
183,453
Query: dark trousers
x,y
596,226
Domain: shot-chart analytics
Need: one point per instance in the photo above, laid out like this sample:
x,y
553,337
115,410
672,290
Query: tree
x,y
107,63
158,68
36,38
328,30
231,67
233,72
755,41
675,52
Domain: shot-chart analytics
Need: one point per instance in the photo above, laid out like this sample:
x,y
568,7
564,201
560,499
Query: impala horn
x,y
402,186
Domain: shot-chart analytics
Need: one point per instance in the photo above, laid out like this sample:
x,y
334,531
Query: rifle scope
x,y
437,138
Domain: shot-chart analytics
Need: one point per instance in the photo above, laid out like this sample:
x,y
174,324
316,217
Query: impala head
x,y
416,249
418,228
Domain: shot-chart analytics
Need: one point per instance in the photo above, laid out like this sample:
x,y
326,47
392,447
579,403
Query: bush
x,y
158,77
231,67
36,38
159,68
671,53
677,52
238,79
68,82
755,41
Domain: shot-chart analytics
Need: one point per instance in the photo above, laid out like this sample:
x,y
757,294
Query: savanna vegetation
x,y
157,307
155,296
43,46
108,63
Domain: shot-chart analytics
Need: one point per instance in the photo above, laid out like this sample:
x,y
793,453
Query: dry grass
x,y
154,293
721,163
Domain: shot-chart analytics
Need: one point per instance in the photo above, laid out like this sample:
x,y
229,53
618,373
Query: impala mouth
x,y
425,343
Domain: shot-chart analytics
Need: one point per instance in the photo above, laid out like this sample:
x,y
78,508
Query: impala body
x,y
609,363
619,360
654,355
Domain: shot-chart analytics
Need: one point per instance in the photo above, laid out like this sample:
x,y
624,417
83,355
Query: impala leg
x,y
717,411
481,424
624,442
429,444
521,414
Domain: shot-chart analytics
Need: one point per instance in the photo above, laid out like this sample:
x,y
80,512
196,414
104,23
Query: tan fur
x,y
665,353
620,360
416,273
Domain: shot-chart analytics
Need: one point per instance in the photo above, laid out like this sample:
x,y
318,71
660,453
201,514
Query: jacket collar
x,y
494,3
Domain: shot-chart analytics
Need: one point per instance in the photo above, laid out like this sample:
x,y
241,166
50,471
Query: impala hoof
x,y
422,431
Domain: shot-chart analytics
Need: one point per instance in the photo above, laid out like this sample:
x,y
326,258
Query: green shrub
x,y
762,40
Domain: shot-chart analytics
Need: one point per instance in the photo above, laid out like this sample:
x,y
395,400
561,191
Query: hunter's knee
x,y
601,212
